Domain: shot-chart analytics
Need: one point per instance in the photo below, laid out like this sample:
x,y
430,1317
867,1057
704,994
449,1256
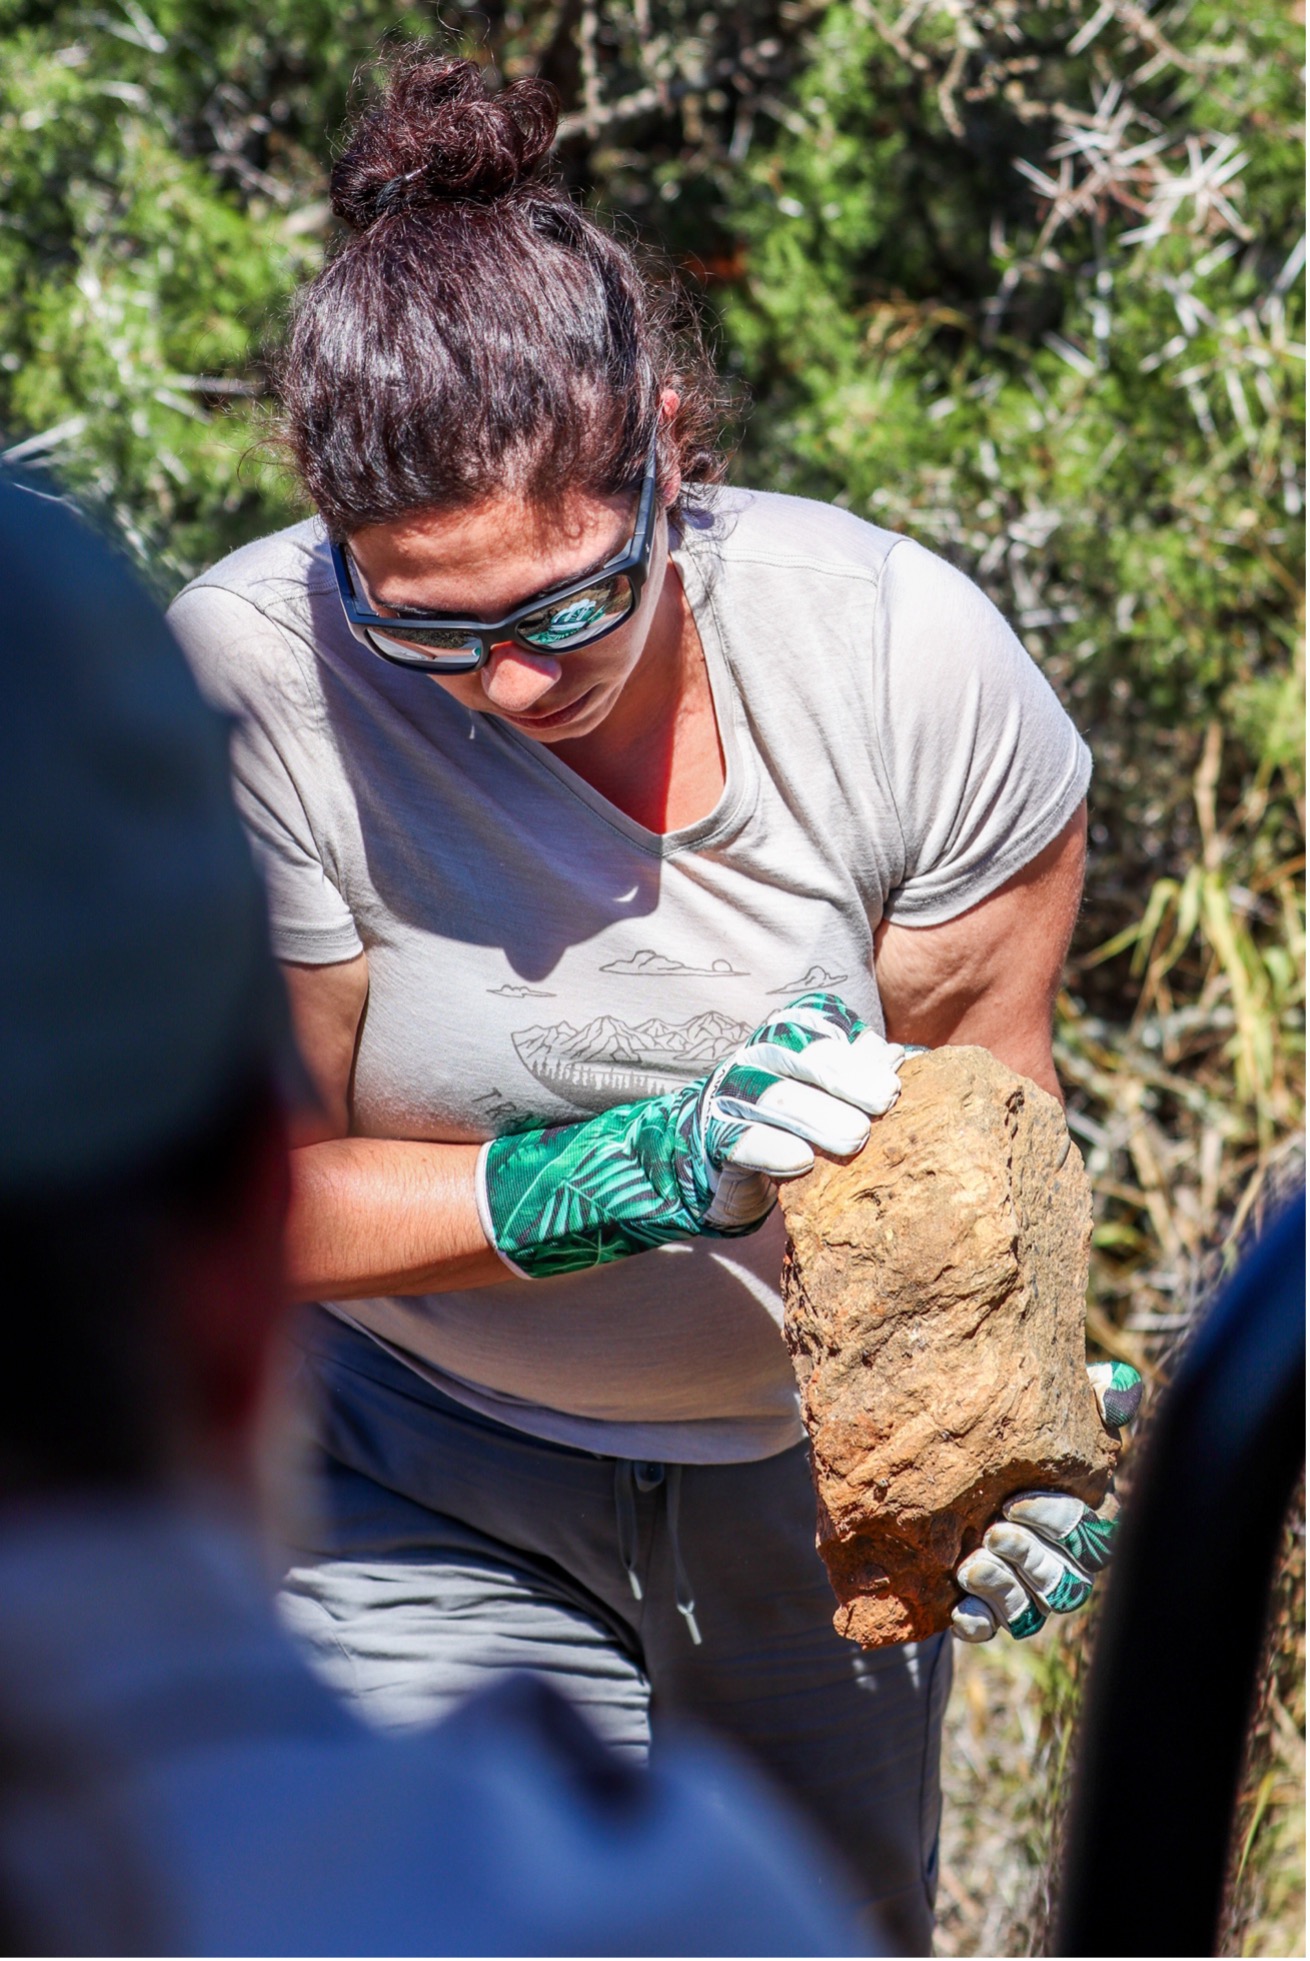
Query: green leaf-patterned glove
x,y
702,1159
1041,1555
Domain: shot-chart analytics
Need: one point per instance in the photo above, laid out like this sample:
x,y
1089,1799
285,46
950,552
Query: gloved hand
x,y
1041,1554
701,1159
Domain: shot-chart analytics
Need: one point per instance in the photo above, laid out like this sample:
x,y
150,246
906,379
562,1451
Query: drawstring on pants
x,y
634,1475
625,1514
682,1585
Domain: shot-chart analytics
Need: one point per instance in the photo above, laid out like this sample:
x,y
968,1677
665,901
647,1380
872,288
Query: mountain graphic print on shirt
x,y
622,1062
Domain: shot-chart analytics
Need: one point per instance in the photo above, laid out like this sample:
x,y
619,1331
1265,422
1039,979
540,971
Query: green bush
x,y
1041,309
164,188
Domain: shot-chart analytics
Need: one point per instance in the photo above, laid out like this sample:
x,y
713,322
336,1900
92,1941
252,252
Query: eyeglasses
x,y
556,621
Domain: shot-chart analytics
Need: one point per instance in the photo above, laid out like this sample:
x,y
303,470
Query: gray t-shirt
x,y
536,956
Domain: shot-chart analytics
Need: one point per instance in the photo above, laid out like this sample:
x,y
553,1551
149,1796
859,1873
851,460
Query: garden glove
x,y
1041,1555
701,1159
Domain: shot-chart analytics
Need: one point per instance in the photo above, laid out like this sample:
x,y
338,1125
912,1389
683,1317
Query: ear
x,y
671,478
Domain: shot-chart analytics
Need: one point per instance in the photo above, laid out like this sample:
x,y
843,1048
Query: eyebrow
x,y
399,612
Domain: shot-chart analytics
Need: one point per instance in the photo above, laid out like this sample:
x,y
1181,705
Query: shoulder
x,y
274,573
760,528
253,621
917,576
763,529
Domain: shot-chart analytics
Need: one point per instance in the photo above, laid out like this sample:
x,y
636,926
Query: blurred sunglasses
x,y
553,622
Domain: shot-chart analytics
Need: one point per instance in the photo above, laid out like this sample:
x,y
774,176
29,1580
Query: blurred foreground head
x,y
144,1041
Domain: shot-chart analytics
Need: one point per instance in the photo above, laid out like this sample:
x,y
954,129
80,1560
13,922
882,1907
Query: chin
x,y
596,712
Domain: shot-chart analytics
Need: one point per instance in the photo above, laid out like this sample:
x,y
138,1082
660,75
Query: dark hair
x,y
477,331
96,1378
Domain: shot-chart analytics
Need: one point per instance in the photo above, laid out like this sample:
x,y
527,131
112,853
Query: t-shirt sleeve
x,y
983,765
251,670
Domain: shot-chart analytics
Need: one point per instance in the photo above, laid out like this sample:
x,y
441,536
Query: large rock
x,y
935,1293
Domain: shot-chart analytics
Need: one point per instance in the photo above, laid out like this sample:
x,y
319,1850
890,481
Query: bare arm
x,y
990,977
370,1216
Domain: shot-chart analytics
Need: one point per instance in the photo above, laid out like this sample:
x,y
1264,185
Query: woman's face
x,y
483,562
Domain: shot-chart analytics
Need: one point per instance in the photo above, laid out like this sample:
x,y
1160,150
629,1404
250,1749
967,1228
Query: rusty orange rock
x,y
935,1291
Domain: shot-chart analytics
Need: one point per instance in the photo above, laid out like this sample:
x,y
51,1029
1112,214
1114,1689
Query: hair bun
x,y
435,135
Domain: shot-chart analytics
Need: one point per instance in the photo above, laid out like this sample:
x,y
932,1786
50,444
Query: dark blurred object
x,y
1174,1677
137,986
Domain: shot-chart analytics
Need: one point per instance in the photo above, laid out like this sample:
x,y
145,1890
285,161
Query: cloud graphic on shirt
x,y
811,980
647,961
517,993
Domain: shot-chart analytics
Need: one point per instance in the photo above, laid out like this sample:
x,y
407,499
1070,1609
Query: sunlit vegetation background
x,y
1022,280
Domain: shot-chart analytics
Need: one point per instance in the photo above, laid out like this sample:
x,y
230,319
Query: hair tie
x,y
386,197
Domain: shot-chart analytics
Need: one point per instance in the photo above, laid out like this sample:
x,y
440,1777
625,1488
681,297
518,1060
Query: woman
x,y
610,820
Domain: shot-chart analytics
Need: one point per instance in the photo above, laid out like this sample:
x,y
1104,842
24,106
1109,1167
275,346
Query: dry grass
x,y
1266,1894
1006,1762
996,1775
1189,1109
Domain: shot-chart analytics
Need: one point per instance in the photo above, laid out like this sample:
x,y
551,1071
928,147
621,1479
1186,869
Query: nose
x,y
514,679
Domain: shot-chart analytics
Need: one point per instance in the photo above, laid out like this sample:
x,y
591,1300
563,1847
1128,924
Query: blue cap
x,y
137,985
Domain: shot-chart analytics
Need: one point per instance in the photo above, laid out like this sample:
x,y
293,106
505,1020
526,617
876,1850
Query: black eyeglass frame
x,y
633,563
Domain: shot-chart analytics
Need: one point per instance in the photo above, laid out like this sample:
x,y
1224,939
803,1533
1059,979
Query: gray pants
x,y
449,1550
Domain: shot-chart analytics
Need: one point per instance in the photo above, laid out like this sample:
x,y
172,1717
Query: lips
x,y
555,719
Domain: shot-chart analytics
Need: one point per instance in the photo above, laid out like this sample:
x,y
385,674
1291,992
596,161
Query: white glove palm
x,y
1041,1555
812,1075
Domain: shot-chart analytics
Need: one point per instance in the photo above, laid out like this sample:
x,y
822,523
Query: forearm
x,y
371,1216
1020,1037
989,977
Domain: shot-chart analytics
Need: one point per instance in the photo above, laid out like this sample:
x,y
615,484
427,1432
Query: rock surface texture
x,y
935,1292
